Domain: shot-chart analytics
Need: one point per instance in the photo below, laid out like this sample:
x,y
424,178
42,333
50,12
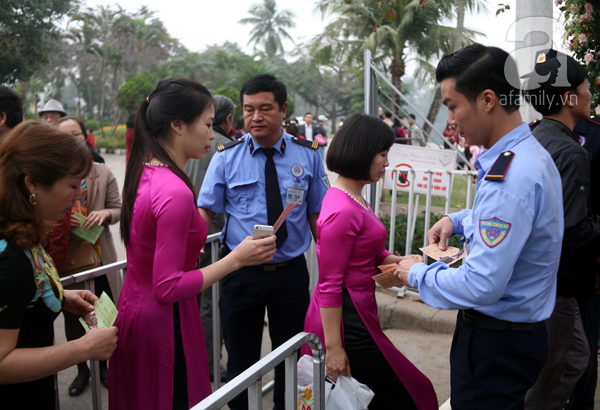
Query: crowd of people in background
x,y
528,323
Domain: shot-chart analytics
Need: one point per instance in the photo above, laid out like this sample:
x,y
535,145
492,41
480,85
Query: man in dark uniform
x,y
563,103
582,398
251,180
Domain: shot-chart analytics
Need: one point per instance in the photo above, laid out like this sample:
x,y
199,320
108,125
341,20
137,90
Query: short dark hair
x,y
130,120
355,145
308,113
387,114
224,107
265,83
546,98
477,68
412,116
11,104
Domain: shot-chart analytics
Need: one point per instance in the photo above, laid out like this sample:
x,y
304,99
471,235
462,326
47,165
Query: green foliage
x,y
27,31
291,107
133,92
91,125
400,233
116,141
235,97
582,32
269,27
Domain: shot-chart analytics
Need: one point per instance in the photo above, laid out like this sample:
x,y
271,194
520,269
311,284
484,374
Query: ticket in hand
x,y
450,256
386,278
103,316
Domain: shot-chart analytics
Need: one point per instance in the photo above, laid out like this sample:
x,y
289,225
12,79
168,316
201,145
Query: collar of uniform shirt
x,y
486,158
277,146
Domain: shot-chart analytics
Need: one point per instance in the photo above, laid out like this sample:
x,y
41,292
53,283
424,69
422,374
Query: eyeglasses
x,y
50,116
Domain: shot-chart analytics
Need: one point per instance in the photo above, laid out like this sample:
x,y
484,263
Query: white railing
x,y
251,379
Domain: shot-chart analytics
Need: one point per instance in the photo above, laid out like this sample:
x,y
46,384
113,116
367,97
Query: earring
x,y
32,200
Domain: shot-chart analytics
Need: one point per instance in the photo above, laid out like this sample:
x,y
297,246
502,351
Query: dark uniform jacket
x,y
582,235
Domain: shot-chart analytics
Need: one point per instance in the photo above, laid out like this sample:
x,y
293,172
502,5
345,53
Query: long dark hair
x,y
174,99
46,155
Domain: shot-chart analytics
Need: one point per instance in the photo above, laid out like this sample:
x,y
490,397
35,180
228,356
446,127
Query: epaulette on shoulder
x,y
500,167
533,124
309,144
229,145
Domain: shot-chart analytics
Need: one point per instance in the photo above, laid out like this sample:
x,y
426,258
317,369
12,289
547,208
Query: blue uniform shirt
x,y
514,234
235,184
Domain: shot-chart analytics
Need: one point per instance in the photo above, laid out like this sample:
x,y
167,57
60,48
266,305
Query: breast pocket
x,y
243,194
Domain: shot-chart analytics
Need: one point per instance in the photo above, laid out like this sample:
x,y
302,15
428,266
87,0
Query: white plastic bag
x,y
349,394
306,399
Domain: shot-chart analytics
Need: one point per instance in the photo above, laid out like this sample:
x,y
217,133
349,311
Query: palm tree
x,y
269,27
391,29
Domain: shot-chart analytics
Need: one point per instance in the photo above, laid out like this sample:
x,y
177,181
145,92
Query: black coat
x,y
582,235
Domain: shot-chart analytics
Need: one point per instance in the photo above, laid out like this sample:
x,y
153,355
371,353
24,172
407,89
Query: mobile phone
x,y
262,231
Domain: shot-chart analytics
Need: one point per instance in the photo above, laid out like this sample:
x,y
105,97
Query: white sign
x,y
407,156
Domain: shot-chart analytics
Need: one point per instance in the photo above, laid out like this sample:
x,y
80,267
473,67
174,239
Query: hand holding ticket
x,y
288,209
103,316
449,256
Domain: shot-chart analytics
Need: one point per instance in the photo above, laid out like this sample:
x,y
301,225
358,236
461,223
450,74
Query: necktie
x,y
274,203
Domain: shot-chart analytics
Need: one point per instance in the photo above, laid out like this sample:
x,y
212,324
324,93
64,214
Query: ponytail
x,y
173,99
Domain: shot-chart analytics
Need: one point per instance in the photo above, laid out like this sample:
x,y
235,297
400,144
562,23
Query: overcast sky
x,y
199,23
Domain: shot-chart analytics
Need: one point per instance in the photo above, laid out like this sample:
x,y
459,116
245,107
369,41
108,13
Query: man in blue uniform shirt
x,y
251,180
506,286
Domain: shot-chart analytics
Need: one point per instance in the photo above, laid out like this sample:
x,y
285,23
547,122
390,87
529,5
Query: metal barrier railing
x,y
251,379
372,102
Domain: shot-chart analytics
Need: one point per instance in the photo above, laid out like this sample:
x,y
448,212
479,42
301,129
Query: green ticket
x,y
89,234
103,316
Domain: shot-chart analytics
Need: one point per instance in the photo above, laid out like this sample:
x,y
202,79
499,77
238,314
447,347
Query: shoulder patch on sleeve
x,y
229,145
493,231
500,167
309,144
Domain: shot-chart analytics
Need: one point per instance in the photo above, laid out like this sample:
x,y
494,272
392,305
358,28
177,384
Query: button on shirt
x,y
510,271
235,184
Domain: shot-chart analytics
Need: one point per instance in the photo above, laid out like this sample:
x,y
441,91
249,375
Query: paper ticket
x,y
386,278
449,256
103,316
288,209
89,234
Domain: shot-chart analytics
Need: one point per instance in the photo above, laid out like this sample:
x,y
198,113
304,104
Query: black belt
x,y
272,267
480,321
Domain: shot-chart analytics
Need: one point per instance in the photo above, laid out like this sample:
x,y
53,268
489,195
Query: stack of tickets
x,y
386,278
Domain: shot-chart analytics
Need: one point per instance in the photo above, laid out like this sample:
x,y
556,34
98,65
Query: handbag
x,y
320,139
82,255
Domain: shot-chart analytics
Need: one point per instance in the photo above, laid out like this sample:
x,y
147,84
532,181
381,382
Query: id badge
x,y
294,193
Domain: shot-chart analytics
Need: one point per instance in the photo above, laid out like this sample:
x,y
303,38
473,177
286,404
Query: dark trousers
x,y
493,369
368,364
583,395
244,296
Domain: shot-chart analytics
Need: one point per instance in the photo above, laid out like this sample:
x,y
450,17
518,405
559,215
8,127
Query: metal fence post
x,y
94,368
